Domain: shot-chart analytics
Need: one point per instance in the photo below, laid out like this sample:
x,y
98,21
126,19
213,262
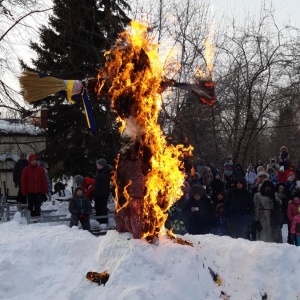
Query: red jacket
x,y
88,187
296,221
33,180
282,177
292,211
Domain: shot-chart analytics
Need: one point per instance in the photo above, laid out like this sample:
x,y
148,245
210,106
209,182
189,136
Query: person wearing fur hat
x,y
260,177
238,210
266,203
102,189
198,211
80,208
34,185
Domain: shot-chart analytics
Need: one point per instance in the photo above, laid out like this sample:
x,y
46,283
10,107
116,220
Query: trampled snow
x,y
50,261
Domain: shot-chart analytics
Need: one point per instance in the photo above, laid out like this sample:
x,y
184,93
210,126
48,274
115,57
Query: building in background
x,y
16,137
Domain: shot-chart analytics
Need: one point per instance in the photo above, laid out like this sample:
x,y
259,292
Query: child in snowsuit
x,y
219,227
81,208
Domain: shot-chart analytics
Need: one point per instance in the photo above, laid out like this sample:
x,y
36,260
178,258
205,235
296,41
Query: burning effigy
x,y
148,176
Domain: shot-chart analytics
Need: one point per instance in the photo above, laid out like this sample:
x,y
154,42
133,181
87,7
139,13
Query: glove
x,y
258,226
83,217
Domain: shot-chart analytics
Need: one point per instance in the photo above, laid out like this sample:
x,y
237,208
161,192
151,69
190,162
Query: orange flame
x,y
209,53
135,71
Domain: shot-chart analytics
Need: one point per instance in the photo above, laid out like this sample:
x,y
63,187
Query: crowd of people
x,y
34,187
251,203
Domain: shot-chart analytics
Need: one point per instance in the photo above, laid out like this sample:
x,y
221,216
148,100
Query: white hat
x,y
263,173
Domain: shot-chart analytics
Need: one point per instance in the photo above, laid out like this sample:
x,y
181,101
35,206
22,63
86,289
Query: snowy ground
x,y
47,261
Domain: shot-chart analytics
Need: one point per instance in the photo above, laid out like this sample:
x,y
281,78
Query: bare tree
x,y
20,20
252,74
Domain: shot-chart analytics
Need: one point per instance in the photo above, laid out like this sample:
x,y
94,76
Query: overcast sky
x,y
286,11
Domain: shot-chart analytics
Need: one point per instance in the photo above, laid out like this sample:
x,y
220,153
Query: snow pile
x,y
42,261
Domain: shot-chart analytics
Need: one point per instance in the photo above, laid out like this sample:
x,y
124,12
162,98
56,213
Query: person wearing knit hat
x,y
199,211
102,162
102,190
87,184
34,185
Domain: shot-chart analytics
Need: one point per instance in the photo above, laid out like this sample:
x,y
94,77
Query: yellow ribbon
x,y
69,90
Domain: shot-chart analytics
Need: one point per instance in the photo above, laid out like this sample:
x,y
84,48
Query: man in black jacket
x,y
17,173
238,210
102,189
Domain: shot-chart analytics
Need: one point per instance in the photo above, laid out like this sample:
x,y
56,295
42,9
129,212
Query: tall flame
x,y
135,71
209,53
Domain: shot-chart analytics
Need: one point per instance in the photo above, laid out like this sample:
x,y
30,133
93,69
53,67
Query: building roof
x,y
15,126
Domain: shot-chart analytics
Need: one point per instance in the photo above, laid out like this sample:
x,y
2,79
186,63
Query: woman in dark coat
x,y
198,211
238,210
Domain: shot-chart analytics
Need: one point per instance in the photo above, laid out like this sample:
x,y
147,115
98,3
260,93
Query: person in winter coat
x,y
292,212
295,229
194,179
282,176
87,184
284,159
238,210
228,168
48,180
272,175
102,189
284,200
198,211
199,167
80,208
216,186
291,169
17,174
230,183
207,177
290,185
34,185
259,164
273,164
250,177
219,226
265,202
238,171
